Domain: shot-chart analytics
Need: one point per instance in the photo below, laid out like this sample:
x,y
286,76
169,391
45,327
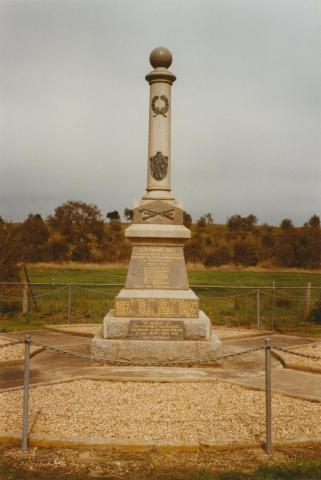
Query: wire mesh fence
x,y
286,309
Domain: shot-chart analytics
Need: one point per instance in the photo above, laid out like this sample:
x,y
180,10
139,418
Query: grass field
x,y
201,276
223,300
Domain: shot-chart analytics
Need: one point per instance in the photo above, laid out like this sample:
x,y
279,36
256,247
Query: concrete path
x,y
245,369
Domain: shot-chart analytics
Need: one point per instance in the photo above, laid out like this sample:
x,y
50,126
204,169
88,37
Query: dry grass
x,y
150,465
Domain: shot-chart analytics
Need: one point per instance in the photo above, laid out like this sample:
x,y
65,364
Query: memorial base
x,y
154,341
151,352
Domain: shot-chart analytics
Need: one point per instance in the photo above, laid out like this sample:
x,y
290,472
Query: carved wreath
x,y
160,110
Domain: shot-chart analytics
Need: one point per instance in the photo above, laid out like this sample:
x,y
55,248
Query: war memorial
x,y
156,317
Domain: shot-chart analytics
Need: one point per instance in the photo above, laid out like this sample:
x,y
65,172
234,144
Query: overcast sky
x,y
246,106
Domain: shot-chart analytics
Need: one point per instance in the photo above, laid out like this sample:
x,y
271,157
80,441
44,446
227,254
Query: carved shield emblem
x,y
159,166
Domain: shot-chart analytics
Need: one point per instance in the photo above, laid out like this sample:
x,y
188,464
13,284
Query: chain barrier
x,y
92,358
298,354
10,344
242,352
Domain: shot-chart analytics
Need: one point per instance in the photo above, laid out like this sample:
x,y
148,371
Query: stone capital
x,y
160,75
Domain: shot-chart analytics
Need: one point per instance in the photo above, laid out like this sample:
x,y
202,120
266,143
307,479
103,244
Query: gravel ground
x,y
292,361
222,332
87,329
158,411
15,352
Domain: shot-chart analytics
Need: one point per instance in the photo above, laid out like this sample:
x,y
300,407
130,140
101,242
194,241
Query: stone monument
x,y
156,317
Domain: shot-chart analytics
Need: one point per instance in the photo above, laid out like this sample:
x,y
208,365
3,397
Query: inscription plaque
x,y
156,330
157,267
156,307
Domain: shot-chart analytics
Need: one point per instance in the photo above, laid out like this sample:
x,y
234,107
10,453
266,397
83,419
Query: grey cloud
x,y
246,104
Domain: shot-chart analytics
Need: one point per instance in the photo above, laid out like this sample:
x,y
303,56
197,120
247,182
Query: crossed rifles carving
x,y
147,214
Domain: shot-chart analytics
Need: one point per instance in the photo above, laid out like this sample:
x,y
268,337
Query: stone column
x,y
159,140
156,316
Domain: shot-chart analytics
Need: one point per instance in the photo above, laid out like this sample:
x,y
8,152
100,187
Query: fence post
x,y
258,308
25,298
25,428
273,305
268,397
69,302
307,300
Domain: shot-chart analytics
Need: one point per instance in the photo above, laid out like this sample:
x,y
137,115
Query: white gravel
x,y
14,352
293,361
157,411
224,333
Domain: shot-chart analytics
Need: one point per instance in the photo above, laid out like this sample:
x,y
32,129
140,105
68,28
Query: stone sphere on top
x,y
160,57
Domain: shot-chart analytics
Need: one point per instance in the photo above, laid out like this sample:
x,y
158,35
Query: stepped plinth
x,y
156,317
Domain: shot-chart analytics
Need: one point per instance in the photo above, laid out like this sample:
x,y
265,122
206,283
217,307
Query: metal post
x,y
273,306
268,396
26,393
307,300
69,302
258,308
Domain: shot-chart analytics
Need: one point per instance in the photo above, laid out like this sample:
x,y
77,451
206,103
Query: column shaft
x,y
159,142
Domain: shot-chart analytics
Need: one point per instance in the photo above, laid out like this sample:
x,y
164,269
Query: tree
x,y
187,219
250,221
313,222
58,247
34,235
220,256
286,224
311,243
266,242
194,248
234,223
287,252
128,214
81,224
115,247
9,252
208,218
237,223
201,223
244,253
113,216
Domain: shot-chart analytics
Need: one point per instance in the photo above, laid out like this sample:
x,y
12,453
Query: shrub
x,y
220,256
